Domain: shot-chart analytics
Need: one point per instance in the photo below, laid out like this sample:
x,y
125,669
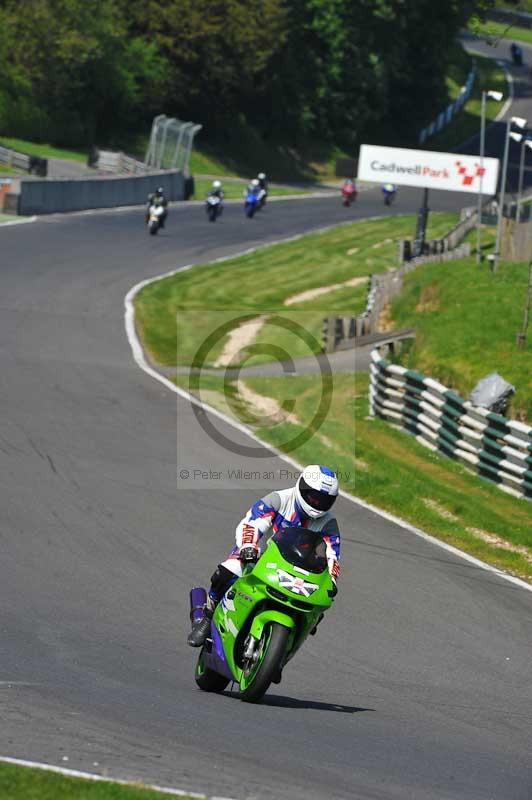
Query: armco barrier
x,y
444,117
494,447
56,195
341,332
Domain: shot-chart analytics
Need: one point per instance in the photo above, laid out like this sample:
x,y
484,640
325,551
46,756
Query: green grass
x,y
234,190
466,319
502,30
5,170
25,783
43,150
520,5
6,218
467,123
259,282
388,467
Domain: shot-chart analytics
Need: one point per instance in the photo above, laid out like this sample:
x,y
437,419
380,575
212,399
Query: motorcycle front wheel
x,y
212,213
207,679
153,228
250,210
259,673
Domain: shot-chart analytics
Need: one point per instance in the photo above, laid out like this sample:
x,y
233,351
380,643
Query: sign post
x,y
421,227
427,169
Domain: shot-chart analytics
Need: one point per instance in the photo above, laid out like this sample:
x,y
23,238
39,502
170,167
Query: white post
x,y
520,122
482,138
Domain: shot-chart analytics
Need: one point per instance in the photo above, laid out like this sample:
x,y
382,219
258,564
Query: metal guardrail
x,y
117,163
452,109
497,449
342,332
13,159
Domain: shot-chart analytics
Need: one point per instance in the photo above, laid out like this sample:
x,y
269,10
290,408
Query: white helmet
x,y
216,184
261,176
254,182
316,490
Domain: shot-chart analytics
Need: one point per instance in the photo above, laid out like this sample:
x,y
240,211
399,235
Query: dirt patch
x,y
267,408
310,294
238,339
381,244
385,321
443,512
491,538
428,299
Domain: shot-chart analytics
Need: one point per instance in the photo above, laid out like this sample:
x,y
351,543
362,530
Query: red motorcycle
x,y
349,193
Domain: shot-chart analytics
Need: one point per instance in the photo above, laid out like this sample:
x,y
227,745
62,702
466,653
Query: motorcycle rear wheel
x,y
207,679
255,683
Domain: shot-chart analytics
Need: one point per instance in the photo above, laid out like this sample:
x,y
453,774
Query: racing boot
x,y
201,608
201,629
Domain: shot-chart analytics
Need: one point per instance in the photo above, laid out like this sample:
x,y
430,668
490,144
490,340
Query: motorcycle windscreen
x,y
302,548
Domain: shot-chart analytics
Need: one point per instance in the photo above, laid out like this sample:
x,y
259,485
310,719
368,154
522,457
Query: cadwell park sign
x,y
427,169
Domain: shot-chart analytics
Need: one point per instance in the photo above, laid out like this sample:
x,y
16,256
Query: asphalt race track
x,y
417,685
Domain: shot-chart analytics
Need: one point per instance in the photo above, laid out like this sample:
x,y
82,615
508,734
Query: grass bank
x,y
234,189
42,150
177,314
384,466
501,30
466,320
467,122
26,783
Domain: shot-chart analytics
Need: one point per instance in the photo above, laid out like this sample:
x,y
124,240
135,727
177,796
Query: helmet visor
x,y
321,501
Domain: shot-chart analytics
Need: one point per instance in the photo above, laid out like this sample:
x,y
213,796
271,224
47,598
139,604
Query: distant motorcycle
x,y
251,203
213,206
155,213
349,194
517,54
389,192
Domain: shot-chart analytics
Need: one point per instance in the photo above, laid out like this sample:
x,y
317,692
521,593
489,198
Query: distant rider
x,y
263,183
350,185
157,198
216,190
307,504
254,187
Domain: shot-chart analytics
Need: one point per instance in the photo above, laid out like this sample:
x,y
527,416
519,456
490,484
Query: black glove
x,y
249,553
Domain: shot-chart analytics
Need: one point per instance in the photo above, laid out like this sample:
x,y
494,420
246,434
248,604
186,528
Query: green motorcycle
x,y
266,615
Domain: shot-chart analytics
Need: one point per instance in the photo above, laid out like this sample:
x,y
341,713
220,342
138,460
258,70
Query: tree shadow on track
x,y
281,701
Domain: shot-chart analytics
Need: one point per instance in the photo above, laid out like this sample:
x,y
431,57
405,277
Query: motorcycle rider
x,y
253,187
389,190
349,186
216,190
157,198
261,177
307,504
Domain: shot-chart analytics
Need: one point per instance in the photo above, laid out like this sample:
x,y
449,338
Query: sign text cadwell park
x,y
427,169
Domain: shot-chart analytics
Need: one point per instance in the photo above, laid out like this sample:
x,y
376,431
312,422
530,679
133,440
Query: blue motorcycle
x,y
251,203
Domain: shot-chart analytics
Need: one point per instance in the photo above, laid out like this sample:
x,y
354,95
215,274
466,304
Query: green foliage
x,y
69,71
83,71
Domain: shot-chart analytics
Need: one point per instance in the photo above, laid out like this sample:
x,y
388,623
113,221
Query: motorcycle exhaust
x,y
198,602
